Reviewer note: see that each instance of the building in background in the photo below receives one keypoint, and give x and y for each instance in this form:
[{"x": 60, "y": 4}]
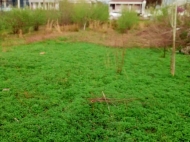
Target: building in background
[
  {"x": 179, "y": 2},
  {"x": 44, "y": 4},
  {"x": 119, "y": 5},
  {"x": 6, "y": 5}
]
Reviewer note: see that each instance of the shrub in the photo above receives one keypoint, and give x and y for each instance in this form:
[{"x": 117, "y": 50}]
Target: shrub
[
  {"x": 38, "y": 18},
  {"x": 100, "y": 12},
  {"x": 84, "y": 12},
  {"x": 52, "y": 14},
  {"x": 66, "y": 10},
  {"x": 127, "y": 20},
  {"x": 3, "y": 25},
  {"x": 81, "y": 13},
  {"x": 17, "y": 19}
]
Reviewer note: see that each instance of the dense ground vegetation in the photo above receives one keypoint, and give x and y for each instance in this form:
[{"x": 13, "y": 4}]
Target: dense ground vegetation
[
  {"x": 49, "y": 92},
  {"x": 63, "y": 90}
]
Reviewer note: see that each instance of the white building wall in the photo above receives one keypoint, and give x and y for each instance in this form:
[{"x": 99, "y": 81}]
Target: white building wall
[{"x": 49, "y": 4}]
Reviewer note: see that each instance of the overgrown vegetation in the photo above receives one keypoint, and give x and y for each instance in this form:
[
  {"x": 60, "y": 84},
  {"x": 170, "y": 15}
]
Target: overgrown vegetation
[
  {"x": 23, "y": 19},
  {"x": 17, "y": 19},
  {"x": 84, "y": 12},
  {"x": 127, "y": 20},
  {"x": 69, "y": 13},
  {"x": 38, "y": 18},
  {"x": 53, "y": 91},
  {"x": 66, "y": 10}
]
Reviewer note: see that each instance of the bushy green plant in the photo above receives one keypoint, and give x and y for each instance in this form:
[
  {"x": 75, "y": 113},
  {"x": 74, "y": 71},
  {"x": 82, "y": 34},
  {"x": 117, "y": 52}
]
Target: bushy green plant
[
  {"x": 127, "y": 20},
  {"x": 38, "y": 18},
  {"x": 23, "y": 19},
  {"x": 3, "y": 24},
  {"x": 66, "y": 10},
  {"x": 82, "y": 13},
  {"x": 100, "y": 12},
  {"x": 17, "y": 19},
  {"x": 53, "y": 14}
]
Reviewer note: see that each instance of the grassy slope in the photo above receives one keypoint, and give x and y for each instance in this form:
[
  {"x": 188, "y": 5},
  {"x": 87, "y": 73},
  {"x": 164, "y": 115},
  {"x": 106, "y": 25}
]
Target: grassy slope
[{"x": 48, "y": 97}]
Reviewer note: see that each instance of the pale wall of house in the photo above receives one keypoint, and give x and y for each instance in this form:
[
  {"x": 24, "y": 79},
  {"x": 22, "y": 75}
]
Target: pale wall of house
[
  {"x": 49, "y": 4},
  {"x": 119, "y": 7}
]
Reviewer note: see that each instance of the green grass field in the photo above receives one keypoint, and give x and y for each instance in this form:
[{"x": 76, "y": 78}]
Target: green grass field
[{"x": 47, "y": 97}]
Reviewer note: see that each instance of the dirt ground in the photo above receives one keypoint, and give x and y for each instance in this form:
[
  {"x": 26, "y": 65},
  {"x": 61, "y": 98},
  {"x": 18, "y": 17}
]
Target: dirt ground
[{"x": 148, "y": 36}]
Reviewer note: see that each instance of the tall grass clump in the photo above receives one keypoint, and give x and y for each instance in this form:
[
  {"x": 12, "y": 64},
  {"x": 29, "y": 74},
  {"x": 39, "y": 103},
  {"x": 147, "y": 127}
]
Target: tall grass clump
[{"x": 127, "y": 20}]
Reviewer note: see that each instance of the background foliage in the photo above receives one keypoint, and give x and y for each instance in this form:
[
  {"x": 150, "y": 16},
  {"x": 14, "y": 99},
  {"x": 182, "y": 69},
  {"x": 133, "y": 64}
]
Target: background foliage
[{"x": 127, "y": 20}]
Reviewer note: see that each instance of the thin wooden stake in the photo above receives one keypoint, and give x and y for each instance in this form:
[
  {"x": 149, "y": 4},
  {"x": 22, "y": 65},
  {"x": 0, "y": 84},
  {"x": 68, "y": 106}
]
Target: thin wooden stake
[{"x": 174, "y": 40}]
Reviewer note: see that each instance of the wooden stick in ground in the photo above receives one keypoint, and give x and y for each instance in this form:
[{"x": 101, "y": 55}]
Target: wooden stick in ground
[
  {"x": 106, "y": 100},
  {"x": 172, "y": 66}
]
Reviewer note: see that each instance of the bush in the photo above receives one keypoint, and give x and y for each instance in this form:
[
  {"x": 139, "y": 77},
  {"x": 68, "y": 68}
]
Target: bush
[
  {"x": 84, "y": 12},
  {"x": 100, "y": 12},
  {"x": 3, "y": 25},
  {"x": 17, "y": 19},
  {"x": 81, "y": 13},
  {"x": 52, "y": 15},
  {"x": 38, "y": 18},
  {"x": 23, "y": 19},
  {"x": 127, "y": 20},
  {"x": 66, "y": 11}
]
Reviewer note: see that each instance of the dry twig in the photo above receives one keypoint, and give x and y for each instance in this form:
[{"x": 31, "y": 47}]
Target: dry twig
[{"x": 106, "y": 100}]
